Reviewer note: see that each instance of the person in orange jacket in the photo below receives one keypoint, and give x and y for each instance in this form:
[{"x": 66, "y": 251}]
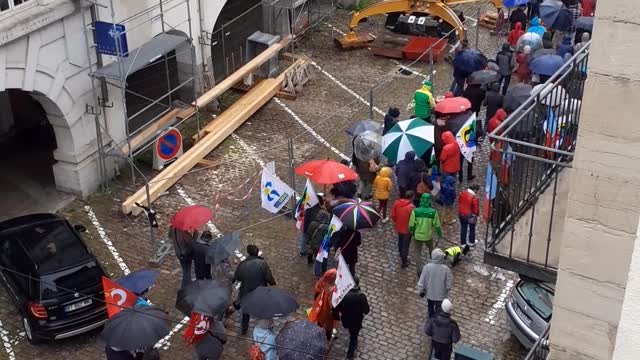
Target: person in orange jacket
[{"x": 450, "y": 155}]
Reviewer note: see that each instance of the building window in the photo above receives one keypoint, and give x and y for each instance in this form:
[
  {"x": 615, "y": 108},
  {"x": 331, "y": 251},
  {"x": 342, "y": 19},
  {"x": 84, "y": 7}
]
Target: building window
[{"x": 6, "y": 5}]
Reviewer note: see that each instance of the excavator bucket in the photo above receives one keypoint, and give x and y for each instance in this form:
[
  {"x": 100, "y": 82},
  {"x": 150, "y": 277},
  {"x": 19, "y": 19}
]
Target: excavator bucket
[{"x": 354, "y": 40}]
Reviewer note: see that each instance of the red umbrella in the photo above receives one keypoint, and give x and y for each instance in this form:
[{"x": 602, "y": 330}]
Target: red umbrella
[
  {"x": 326, "y": 172},
  {"x": 191, "y": 218},
  {"x": 453, "y": 105}
]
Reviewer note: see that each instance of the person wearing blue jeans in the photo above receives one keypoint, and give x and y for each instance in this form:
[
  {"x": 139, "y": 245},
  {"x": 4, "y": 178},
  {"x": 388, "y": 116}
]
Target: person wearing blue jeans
[{"x": 468, "y": 212}]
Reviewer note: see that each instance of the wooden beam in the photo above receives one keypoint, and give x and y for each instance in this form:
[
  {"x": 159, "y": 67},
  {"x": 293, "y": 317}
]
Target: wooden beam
[
  {"x": 150, "y": 131},
  {"x": 220, "y": 129},
  {"x": 207, "y": 129},
  {"x": 241, "y": 73}
]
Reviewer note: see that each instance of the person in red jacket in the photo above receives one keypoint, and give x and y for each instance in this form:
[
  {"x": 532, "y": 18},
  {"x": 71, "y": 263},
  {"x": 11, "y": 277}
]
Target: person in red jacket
[
  {"x": 515, "y": 34},
  {"x": 496, "y": 120},
  {"x": 495, "y": 156},
  {"x": 468, "y": 211},
  {"x": 400, "y": 215},
  {"x": 450, "y": 155}
]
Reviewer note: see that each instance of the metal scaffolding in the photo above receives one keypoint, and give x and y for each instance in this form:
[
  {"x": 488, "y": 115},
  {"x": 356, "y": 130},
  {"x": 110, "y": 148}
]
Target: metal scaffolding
[{"x": 124, "y": 64}]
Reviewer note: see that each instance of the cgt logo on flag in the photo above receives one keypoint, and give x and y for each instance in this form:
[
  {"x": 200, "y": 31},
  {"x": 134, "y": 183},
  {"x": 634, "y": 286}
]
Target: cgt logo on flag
[
  {"x": 117, "y": 297},
  {"x": 197, "y": 328}
]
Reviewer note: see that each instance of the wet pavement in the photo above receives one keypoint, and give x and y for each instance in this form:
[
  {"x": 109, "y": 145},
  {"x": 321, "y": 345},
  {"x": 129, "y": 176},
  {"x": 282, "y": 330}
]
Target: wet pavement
[{"x": 393, "y": 330}]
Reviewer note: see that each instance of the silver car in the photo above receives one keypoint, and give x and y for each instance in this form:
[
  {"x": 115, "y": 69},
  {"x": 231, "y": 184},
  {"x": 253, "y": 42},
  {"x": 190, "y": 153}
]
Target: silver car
[{"x": 529, "y": 310}]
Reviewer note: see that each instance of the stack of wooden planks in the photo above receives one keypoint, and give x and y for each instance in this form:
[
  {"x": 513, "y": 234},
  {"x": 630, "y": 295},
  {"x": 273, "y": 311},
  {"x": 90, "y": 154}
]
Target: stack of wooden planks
[{"x": 212, "y": 135}]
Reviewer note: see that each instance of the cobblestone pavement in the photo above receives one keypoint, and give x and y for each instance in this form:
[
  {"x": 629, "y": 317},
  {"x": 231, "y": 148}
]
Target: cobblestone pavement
[{"x": 393, "y": 330}]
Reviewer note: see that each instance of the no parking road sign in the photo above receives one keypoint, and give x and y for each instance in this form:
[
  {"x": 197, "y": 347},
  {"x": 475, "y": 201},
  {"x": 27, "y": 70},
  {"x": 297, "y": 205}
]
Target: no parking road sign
[{"x": 168, "y": 147}]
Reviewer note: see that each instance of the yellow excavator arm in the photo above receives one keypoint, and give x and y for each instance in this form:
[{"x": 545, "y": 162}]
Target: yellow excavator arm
[{"x": 439, "y": 8}]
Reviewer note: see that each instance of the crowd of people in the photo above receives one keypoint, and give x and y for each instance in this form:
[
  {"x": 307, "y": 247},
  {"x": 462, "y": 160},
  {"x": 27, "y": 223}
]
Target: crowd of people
[{"x": 419, "y": 182}]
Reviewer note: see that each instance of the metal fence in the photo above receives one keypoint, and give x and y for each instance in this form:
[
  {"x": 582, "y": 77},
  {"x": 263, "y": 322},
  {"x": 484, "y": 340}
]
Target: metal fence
[
  {"x": 540, "y": 350},
  {"x": 529, "y": 150}
]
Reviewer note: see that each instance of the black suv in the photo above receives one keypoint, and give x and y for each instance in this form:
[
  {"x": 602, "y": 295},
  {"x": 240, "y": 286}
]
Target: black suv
[{"x": 57, "y": 298}]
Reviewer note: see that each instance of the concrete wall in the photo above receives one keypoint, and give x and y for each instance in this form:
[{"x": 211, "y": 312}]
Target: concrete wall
[
  {"x": 604, "y": 198},
  {"x": 51, "y": 63},
  {"x": 542, "y": 219},
  {"x": 628, "y": 339}
]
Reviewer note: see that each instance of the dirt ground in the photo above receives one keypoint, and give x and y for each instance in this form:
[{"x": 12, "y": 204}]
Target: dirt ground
[{"x": 315, "y": 123}]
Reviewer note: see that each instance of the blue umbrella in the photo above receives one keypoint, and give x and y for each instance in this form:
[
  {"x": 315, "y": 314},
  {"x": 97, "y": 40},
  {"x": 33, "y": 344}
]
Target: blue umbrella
[
  {"x": 585, "y": 23},
  {"x": 546, "y": 64},
  {"x": 140, "y": 281},
  {"x": 514, "y": 3},
  {"x": 301, "y": 340},
  {"x": 555, "y": 15},
  {"x": 469, "y": 60}
]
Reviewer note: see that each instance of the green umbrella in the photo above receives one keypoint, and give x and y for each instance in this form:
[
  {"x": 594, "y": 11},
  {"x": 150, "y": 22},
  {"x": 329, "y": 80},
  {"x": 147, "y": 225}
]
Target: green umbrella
[{"x": 404, "y": 136}]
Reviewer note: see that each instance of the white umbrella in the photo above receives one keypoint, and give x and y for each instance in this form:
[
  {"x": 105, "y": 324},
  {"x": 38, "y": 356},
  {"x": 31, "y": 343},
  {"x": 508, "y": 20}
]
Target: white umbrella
[{"x": 408, "y": 135}]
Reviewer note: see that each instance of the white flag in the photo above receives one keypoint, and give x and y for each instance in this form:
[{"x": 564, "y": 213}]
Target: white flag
[
  {"x": 466, "y": 138},
  {"x": 344, "y": 282},
  {"x": 274, "y": 192}
]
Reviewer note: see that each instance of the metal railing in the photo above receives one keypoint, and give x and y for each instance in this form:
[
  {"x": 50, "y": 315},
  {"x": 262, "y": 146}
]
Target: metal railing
[
  {"x": 529, "y": 149},
  {"x": 540, "y": 350}
]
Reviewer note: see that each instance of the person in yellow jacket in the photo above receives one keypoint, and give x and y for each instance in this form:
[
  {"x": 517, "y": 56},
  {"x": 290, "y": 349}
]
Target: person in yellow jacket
[
  {"x": 424, "y": 101},
  {"x": 382, "y": 187}
]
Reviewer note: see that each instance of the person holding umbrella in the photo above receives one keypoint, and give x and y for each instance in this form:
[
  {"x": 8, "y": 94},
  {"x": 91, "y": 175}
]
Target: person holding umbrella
[
  {"x": 493, "y": 102},
  {"x": 185, "y": 226},
  {"x": 405, "y": 171},
  {"x": 351, "y": 310},
  {"x": 347, "y": 242},
  {"x": 212, "y": 345},
  {"x": 251, "y": 273},
  {"x": 523, "y": 72}
]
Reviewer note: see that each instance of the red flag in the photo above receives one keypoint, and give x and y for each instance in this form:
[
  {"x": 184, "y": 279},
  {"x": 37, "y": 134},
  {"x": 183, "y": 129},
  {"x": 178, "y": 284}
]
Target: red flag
[
  {"x": 197, "y": 328},
  {"x": 117, "y": 297}
]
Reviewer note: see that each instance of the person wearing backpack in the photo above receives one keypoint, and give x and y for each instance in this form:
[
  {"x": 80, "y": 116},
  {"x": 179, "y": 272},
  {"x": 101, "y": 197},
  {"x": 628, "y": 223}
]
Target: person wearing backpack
[
  {"x": 183, "y": 245},
  {"x": 265, "y": 346},
  {"x": 422, "y": 180}
]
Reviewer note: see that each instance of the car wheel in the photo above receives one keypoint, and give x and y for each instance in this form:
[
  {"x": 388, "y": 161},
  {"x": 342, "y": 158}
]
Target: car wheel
[{"x": 28, "y": 331}]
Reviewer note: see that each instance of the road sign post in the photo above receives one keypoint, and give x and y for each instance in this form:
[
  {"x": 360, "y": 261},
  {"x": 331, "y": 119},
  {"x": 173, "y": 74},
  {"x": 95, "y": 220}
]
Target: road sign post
[{"x": 168, "y": 148}]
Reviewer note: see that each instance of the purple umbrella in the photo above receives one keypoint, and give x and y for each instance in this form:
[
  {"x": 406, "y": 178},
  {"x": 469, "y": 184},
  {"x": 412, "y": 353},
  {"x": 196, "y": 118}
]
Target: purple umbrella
[{"x": 357, "y": 214}]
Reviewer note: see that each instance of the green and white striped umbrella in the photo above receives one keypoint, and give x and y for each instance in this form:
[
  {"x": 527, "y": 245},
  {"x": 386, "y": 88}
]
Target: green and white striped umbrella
[{"x": 404, "y": 136}]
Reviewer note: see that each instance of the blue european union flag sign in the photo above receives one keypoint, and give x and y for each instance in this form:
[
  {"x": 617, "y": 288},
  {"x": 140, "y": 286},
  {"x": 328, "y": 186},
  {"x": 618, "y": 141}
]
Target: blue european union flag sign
[{"x": 106, "y": 35}]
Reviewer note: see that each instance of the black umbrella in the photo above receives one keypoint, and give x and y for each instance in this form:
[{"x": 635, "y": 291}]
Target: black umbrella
[
  {"x": 516, "y": 96},
  {"x": 361, "y": 126},
  {"x": 585, "y": 23},
  {"x": 268, "y": 302},
  {"x": 483, "y": 77},
  {"x": 456, "y": 121},
  {"x": 138, "y": 328},
  {"x": 211, "y": 346},
  {"x": 208, "y": 297},
  {"x": 223, "y": 247},
  {"x": 301, "y": 340},
  {"x": 555, "y": 15}
]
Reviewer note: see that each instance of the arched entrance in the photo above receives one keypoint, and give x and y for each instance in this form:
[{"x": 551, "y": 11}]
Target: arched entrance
[{"x": 27, "y": 143}]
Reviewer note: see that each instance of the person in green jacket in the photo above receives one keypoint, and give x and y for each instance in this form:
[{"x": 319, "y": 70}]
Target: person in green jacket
[
  {"x": 422, "y": 223},
  {"x": 424, "y": 102}
]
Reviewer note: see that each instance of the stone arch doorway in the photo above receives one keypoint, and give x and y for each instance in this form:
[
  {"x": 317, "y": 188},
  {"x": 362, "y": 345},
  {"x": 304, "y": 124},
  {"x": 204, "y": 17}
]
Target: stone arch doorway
[{"x": 27, "y": 145}]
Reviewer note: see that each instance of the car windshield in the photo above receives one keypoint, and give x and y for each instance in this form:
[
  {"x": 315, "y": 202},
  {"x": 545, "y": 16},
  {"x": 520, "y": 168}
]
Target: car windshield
[
  {"x": 52, "y": 245},
  {"x": 539, "y": 298},
  {"x": 78, "y": 279}
]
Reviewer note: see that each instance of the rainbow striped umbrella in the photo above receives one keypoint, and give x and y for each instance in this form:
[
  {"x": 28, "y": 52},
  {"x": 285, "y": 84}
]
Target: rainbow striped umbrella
[{"x": 357, "y": 214}]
